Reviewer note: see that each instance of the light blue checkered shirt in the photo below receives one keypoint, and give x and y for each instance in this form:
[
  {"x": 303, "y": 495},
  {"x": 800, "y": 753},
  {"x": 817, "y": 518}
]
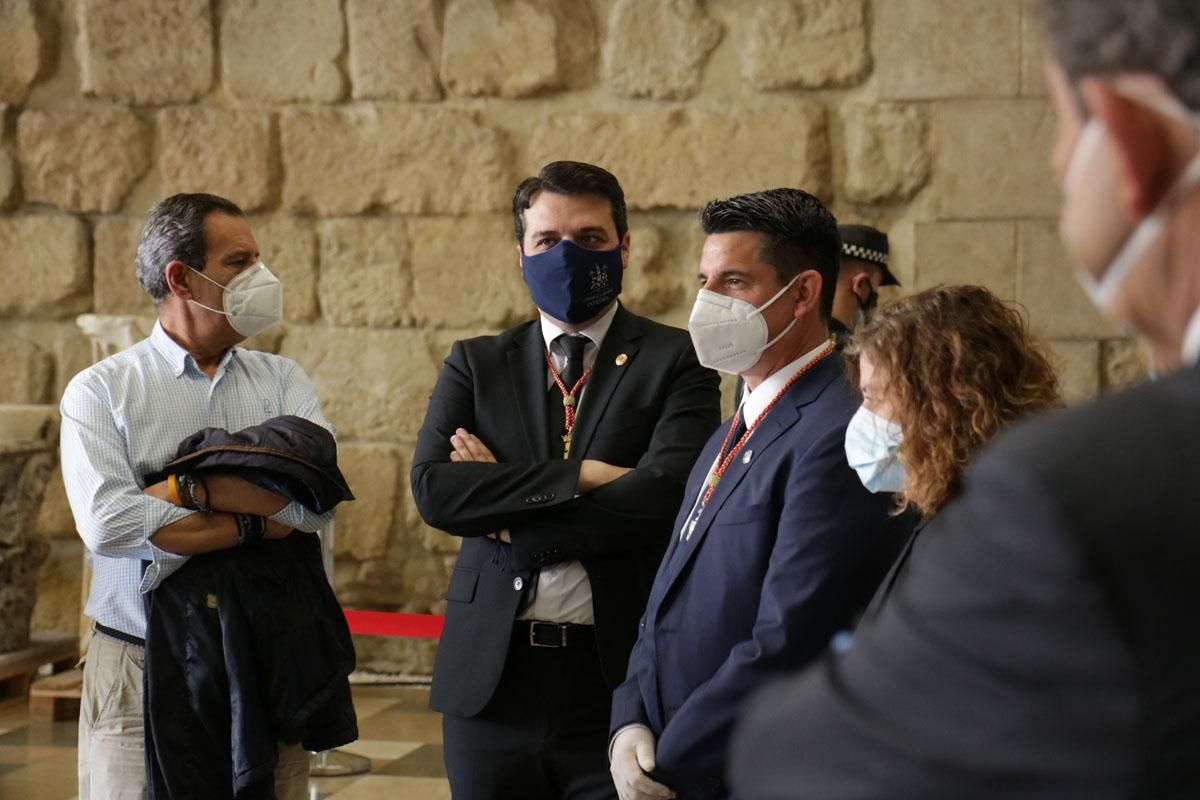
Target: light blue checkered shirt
[{"x": 123, "y": 418}]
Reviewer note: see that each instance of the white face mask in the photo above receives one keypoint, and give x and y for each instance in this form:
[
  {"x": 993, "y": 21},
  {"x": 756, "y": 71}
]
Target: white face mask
[
  {"x": 872, "y": 444},
  {"x": 1103, "y": 291},
  {"x": 253, "y": 300},
  {"x": 729, "y": 334}
]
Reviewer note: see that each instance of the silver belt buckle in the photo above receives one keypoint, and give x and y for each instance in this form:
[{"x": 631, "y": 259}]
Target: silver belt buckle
[{"x": 562, "y": 630}]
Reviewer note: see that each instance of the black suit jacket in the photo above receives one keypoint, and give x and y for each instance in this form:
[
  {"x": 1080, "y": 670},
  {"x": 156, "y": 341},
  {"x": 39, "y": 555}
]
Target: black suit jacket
[
  {"x": 1043, "y": 643},
  {"x": 651, "y": 412}
]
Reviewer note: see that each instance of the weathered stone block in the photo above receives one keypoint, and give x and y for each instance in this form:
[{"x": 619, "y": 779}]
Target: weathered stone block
[
  {"x": 805, "y": 44},
  {"x": 652, "y": 283},
  {"x": 657, "y": 48},
  {"x": 223, "y": 151},
  {"x": 45, "y": 266},
  {"x": 364, "y": 272},
  {"x": 145, "y": 52},
  {"x": 1033, "y": 50},
  {"x": 22, "y": 55},
  {"x": 289, "y": 247},
  {"x": 946, "y": 48},
  {"x": 1123, "y": 362},
  {"x": 977, "y": 253},
  {"x": 364, "y": 526},
  {"x": 58, "y": 589},
  {"x": 115, "y": 282},
  {"x": 991, "y": 159},
  {"x": 466, "y": 270},
  {"x": 1078, "y": 366},
  {"x": 280, "y": 51},
  {"x": 29, "y": 373},
  {"x": 54, "y": 519},
  {"x": 1046, "y": 285},
  {"x": 82, "y": 160},
  {"x": 373, "y": 384},
  {"x": 683, "y": 159},
  {"x": 8, "y": 177},
  {"x": 395, "y": 46},
  {"x": 887, "y": 158},
  {"x": 516, "y": 48},
  {"x": 410, "y": 161}
]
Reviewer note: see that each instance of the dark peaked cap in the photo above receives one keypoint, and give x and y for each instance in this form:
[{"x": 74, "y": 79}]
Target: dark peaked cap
[{"x": 868, "y": 244}]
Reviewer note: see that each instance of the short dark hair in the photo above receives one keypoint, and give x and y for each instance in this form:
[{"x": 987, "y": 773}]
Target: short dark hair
[
  {"x": 1104, "y": 37},
  {"x": 570, "y": 178},
  {"x": 800, "y": 233},
  {"x": 174, "y": 231}
]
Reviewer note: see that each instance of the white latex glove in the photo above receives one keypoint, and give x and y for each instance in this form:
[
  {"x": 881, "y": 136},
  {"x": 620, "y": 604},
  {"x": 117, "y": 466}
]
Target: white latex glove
[{"x": 632, "y": 758}]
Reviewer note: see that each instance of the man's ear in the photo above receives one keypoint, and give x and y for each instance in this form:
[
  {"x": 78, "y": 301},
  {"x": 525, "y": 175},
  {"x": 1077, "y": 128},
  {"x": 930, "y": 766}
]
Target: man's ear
[
  {"x": 809, "y": 284},
  {"x": 860, "y": 284},
  {"x": 1142, "y": 143},
  {"x": 625, "y": 251},
  {"x": 177, "y": 275}
]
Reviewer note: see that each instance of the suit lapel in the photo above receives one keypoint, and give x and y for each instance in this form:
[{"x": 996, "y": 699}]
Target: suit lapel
[
  {"x": 606, "y": 375},
  {"x": 786, "y": 413},
  {"x": 527, "y": 373}
]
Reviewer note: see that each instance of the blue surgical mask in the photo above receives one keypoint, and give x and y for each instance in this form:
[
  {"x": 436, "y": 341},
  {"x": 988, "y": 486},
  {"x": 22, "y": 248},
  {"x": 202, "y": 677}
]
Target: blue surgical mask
[
  {"x": 872, "y": 447},
  {"x": 571, "y": 283}
]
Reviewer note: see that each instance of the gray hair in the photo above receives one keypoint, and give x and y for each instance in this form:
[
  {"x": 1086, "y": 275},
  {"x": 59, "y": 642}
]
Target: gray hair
[
  {"x": 174, "y": 231},
  {"x": 1105, "y": 37}
]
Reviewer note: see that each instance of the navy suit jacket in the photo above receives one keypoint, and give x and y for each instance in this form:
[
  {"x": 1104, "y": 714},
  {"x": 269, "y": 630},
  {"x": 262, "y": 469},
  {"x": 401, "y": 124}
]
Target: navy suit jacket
[{"x": 789, "y": 547}]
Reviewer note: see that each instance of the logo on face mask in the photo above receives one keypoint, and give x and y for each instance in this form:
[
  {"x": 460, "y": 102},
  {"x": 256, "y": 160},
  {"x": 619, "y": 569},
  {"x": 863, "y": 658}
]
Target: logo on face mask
[{"x": 599, "y": 277}]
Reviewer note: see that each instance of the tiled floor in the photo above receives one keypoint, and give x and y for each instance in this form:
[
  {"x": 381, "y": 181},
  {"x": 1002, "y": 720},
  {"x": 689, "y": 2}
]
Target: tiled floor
[{"x": 399, "y": 734}]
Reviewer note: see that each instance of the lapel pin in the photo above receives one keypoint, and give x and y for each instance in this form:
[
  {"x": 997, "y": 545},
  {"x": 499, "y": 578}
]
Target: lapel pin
[
  {"x": 746, "y": 456},
  {"x": 621, "y": 359}
]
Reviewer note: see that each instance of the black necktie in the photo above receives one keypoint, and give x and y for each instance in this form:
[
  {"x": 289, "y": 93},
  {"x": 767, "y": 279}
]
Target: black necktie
[{"x": 573, "y": 346}]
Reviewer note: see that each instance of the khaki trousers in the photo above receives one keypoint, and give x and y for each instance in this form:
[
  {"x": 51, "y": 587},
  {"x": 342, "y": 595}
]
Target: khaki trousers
[{"x": 112, "y": 735}]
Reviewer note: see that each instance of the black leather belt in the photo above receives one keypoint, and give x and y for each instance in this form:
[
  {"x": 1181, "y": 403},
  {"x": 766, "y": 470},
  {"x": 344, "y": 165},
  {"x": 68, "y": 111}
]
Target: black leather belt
[
  {"x": 553, "y": 634},
  {"x": 120, "y": 636}
]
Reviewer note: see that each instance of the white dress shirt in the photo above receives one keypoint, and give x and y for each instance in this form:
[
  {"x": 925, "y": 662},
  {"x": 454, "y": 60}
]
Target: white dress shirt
[
  {"x": 123, "y": 418},
  {"x": 564, "y": 593}
]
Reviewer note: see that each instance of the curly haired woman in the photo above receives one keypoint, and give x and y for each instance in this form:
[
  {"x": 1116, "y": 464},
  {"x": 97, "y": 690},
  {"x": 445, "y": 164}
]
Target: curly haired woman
[{"x": 941, "y": 372}]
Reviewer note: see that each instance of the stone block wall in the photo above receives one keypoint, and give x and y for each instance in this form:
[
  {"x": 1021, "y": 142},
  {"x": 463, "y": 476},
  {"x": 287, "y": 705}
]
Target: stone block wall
[{"x": 375, "y": 145}]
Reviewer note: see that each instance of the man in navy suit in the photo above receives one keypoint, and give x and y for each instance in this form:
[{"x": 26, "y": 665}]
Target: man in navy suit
[{"x": 777, "y": 544}]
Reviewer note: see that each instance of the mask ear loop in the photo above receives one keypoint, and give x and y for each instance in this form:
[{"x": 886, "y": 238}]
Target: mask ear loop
[{"x": 210, "y": 280}]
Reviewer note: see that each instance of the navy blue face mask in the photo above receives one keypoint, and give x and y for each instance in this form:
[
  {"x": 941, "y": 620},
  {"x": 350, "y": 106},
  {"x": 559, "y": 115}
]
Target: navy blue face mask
[{"x": 572, "y": 283}]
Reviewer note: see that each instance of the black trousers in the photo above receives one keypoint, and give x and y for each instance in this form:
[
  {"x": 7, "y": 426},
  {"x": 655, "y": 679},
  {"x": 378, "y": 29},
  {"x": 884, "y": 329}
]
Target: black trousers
[{"x": 542, "y": 736}]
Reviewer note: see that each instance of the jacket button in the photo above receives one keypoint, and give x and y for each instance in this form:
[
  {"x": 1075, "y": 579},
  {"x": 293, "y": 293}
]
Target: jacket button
[{"x": 518, "y": 583}]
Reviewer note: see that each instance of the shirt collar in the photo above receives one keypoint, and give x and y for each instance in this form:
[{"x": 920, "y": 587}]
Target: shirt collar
[
  {"x": 552, "y": 329},
  {"x": 1191, "y": 341},
  {"x": 754, "y": 402},
  {"x": 174, "y": 353}
]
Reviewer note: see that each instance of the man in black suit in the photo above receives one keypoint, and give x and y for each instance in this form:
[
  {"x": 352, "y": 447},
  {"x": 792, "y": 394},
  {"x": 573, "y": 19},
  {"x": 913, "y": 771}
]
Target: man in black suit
[
  {"x": 557, "y": 450},
  {"x": 1042, "y": 644}
]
